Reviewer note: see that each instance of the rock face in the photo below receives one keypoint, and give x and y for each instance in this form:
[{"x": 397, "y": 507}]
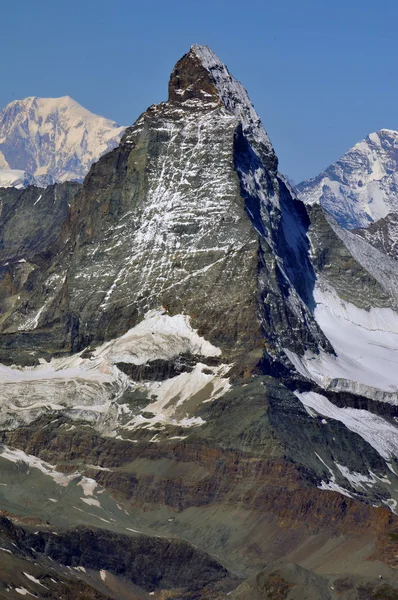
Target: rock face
[
  {"x": 362, "y": 186},
  {"x": 383, "y": 234},
  {"x": 51, "y": 140},
  {"x": 192, "y": 354},
  {"x": 31, "y": 220}
]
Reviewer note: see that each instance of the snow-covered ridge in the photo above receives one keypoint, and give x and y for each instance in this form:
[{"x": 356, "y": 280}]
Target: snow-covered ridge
[
  {"x": 362, "y": 186},
  {"x": 15, "y": 178},
  {"x": 376, "y": 431},
  {"x": 56, "y": 138},
  {"x": 233, "y": 95}
]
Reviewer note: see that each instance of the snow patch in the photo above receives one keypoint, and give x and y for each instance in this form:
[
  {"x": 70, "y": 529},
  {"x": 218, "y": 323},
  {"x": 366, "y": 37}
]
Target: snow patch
[
  {"x": 88, "y": 388},
  {"x": 23, "y": 591},
  {"x": 366, "y": 346},
  {"x": 380, "y": 434},
  {"x": 31, "y": 578},
  {"x": 18, "y": 456}
]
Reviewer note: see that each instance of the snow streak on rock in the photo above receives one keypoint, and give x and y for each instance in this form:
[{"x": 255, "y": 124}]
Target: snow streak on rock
[{"x": 90, "y": 388}]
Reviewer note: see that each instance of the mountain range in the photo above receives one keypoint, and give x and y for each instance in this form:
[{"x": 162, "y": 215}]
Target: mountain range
[
  {"x": 362, "y": 186},
  {"x": 49, "y": 140},
  {"x": 198, "y": 370}
]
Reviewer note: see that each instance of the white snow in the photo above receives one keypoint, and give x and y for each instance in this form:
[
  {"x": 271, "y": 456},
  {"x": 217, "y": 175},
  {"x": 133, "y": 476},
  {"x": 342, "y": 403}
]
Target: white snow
[
  {"x": 23, "y": 591},
  {"x": 62, "y": 139},
  {"x": 365, "y": 342},
  {"x": 15, "y": 178},
  {"x": 392, "y": 505},
  {"x": 18, "y": 456},
  {"x": 233, "y": 95},
  {"x": 332, "y": 485},
  {"x": 360, "y": 480},
  {"x": 88, "y": 485},
  {"x": 91, "y": 502},
  {"x": 379, "y": 433},
  {"x": 88, "y": 388},
  {"x": 361, "y": 186},
  {"x": 159, "y": 335},
  {"x": 173, "y": 393},
  {"x": 31, "y": 578}
]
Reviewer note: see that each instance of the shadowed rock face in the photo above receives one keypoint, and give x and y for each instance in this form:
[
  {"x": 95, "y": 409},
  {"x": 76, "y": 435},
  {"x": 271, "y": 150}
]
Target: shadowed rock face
[
  {"x": 150, "y": 563},
  {"x": 31, "y": 219},
  {"x": 176, "y": 311}
]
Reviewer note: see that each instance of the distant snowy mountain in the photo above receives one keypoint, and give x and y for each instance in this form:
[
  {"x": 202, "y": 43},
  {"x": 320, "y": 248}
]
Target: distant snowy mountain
[
  {"x": 362, "y": 186},
  {"x": 52, "y": 140},
  {"x": 15, "y": 178}
]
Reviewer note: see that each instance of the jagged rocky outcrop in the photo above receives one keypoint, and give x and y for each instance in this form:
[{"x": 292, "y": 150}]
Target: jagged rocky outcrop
[
  {"x": 383, "y": 234},
  {"x": 197, "y": 355},
  {"x": 48, "y": 140},
  {"x": 362, "y": 186}
]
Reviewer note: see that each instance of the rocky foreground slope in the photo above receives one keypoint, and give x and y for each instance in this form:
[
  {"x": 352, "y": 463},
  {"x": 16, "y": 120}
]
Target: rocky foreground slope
[
  {"x": 49, "y": 140},
  {"x": 198, "y": 382}
]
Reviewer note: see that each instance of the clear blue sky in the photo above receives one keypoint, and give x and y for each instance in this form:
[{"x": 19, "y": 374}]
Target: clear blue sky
[{"x": 321, "y": 73}]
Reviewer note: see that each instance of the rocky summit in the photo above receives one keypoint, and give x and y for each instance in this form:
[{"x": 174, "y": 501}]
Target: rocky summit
[{"x": 198, "y": 373}]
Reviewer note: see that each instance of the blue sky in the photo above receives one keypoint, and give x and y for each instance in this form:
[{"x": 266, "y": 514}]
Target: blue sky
[{"x": 321, "y": 74}]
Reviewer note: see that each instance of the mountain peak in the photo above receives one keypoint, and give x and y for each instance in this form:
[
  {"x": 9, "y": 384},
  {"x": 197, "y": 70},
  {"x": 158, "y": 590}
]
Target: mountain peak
[
  {"x": 53, "y": 139},
  {"x": 392, "y": 132},
  {"x": 361, "y": 187},
  {"x": 200, "y": 76},
  {"x": 191, "y": 80}
]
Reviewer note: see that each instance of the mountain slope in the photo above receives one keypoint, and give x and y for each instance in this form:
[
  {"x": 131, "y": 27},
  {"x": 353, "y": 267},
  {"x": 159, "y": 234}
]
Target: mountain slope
[
  {"x": 53, "y": 139},
  {"x": 383, "y": 234},
  {"x": 175, "y": 367},
  {"x": 362, "y": 186}
]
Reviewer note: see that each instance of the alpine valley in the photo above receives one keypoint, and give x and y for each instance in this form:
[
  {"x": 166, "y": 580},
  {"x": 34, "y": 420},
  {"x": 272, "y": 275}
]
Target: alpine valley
[{"x": 199, "y": 390}]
